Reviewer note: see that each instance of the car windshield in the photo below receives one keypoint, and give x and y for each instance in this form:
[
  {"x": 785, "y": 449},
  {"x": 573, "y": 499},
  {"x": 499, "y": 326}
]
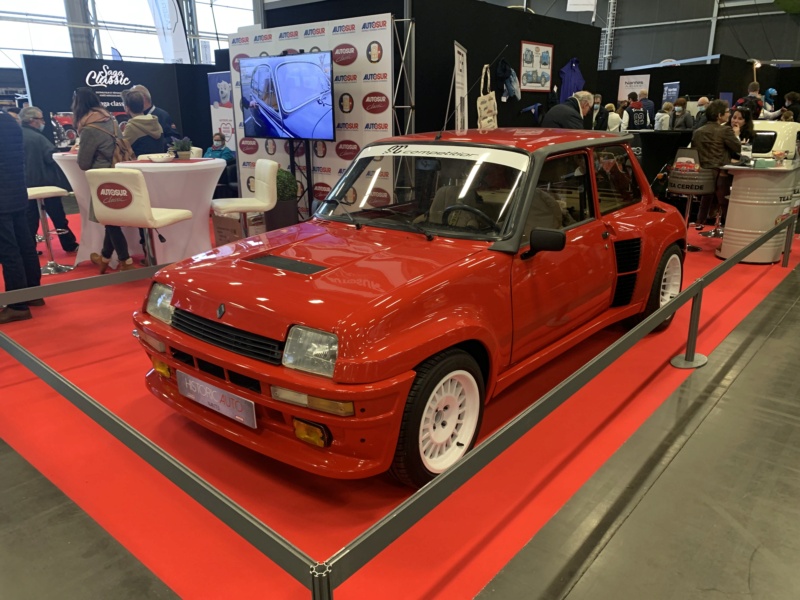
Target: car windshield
[
  {"x": 448, "y": 190},
  {"x": 301, "y": 82}
]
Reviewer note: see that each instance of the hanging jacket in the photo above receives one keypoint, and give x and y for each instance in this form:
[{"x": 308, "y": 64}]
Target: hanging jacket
[{"x": 571, "y": 79}]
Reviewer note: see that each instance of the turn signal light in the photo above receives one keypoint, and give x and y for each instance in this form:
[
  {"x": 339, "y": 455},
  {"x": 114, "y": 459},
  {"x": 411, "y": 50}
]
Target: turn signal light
[
  {"x": 162, "y": 368},
  {"x": 311, "y": 433}
]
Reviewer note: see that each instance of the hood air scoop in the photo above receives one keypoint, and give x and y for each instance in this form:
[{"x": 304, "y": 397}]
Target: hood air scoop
[{"x": 287, "y": 264}]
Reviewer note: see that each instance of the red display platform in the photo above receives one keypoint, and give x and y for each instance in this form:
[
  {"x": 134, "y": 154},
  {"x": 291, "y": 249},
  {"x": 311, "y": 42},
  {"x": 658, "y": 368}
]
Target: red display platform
[{"x": 452, "y": 553}]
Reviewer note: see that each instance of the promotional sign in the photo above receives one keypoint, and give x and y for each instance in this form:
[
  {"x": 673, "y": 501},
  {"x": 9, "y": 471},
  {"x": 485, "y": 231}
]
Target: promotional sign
[
  {"x": 671, "y": 91},
  {"x": 361, "y": 61},
  {"x": 51, "y": 82},
  {"x": 460, "y": 86},
  {"x": 221, "y": 97},
  {"x": 171, "y": 32},
  {"x": 535, "y": 67},
  {"x": 632, "y": 83}
]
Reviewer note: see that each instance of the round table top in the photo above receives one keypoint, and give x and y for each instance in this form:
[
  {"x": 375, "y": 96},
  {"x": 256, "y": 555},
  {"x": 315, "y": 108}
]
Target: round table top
[{"x": 175, "y": 165}]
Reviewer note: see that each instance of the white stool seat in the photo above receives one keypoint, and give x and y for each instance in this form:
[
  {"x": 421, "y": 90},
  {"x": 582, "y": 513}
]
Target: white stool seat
[
  {"x": 225, "y": 206},
  {"x": 265, "y": 194},
  {"x": 46, "y": 191},
  {"x": 168, "y": 216}
]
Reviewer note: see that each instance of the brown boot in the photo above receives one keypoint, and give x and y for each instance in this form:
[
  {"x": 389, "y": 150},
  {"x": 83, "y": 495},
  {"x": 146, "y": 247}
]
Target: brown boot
[
  {"x": 100, "y": 261},
  {"x": 127, "y": 265},
  {"x": 8, "y": 314}
]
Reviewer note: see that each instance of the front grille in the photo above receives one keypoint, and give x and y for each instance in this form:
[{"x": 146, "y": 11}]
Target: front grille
[{"x": 227, "y": 337}]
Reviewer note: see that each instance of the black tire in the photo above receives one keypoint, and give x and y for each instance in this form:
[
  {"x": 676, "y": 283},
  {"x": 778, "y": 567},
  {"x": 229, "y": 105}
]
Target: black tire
[
  {"x": 655, "y": 300},
  {"x": 451, "y": 371}
]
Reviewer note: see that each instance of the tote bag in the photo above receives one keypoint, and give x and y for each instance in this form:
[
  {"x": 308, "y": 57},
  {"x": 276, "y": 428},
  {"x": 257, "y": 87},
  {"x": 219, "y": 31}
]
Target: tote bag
[{"x": 487, "y": 103}]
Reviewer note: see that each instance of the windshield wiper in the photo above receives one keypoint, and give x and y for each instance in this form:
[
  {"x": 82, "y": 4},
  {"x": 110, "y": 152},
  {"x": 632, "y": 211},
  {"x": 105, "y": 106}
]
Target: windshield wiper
[
  {"x": 408, "y": 222},
  {"x": 345, "y": 211}
]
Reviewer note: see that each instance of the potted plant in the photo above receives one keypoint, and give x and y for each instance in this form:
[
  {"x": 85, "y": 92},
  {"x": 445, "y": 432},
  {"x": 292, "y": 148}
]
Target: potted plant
[
  {"x": 181, "y": 148},
  {"x": 286, "y": 186}
]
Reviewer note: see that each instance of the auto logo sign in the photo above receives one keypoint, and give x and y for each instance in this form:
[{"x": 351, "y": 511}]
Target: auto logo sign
[
  {"x": 321, "y": 191},
  {"x": 236, "y": 60},
  {"x": 375, "y": 102},
  {"x": 248, "y": 145},
  {"x": 345, "y": 54},
  {"x": 379, "y": 197},
  {"x": 114, "y": 195},
  {"x": 220, "y": 311},
  {"x": 347, "y": 149}
]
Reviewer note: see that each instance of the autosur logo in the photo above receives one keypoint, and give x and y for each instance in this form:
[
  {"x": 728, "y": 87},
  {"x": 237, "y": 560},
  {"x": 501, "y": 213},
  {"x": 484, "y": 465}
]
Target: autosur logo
[
  {"x": 345, "y": 54},
  {"x": 340, "y": 29},
  {"x": 347, "y": 149},
  {"x": 248, "y": 145},
  {"x": 236, "y": 60},
  {"x": 105, "y": 77},
  {"x": 375, "y": 102},
  {"x": 114, "y": 195},
  {"x": 321, "y": 191},
  {"x": 379, "y": 197}
]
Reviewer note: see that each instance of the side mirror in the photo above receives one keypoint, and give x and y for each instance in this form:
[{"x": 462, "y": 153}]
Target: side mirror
[{"x": 542, "y": 239}]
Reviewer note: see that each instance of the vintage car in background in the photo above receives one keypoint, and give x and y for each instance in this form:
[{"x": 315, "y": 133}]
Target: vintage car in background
[{"x": 436, "y": 273}]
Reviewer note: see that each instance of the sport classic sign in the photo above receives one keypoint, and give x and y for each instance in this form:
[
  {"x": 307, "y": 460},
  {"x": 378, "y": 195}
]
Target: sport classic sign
[{"x": 361, "y": 49}]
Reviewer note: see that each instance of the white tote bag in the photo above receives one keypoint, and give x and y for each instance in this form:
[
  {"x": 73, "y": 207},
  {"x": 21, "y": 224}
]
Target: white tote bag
[{"x": 487, "y": 103}]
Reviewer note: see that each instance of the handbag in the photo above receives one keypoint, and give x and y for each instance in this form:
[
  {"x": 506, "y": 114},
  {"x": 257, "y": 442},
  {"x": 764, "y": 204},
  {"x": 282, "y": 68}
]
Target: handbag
[{"x": 487, "y": 103}]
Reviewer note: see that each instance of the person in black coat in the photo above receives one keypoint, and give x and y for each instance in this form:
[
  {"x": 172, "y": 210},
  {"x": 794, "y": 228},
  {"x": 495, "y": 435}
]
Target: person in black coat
[
  {"x": 598, "y": 115},
  {"x": 569, "y": 114},
  {"x": 164, "y": 119},
  {"x": 41, "y": 170},
  {"x": 17, "y": 248}
]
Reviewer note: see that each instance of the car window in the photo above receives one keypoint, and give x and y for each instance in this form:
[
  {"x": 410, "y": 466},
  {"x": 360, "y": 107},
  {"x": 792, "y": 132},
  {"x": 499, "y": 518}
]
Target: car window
[
  {"x": 616, "y": 180},
  {"x": 267, "y": 88},
  {"x": 562, "y": 195}
]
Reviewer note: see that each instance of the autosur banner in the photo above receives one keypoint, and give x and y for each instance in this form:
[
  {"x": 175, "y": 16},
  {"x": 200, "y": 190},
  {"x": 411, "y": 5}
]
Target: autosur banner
[{"x": 362, "y": 90}]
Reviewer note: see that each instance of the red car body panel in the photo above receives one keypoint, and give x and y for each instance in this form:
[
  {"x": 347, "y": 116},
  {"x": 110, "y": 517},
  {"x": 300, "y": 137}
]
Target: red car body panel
[{"x": 394, "y": 299}]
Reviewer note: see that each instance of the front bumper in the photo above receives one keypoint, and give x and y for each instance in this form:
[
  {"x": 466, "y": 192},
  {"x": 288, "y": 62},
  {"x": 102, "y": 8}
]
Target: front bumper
[{"x": 360, "y": 446}]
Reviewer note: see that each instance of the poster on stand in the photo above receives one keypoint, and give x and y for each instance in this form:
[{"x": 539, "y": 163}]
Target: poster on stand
[
  {"x": 460, "y": 88},
  {"x": 671, "y": 91},
  {"x": 536, "y": 67},
  {"x": 362, "y": 73},
  {"x": 221, "y": 105},
  {"x": 632, "y": 83}
]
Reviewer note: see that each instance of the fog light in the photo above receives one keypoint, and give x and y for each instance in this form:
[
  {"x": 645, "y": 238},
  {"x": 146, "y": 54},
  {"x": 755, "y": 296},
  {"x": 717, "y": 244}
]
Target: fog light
[
  {"x": 311, "y": 433},
  {"x": 162, "y": 368}
]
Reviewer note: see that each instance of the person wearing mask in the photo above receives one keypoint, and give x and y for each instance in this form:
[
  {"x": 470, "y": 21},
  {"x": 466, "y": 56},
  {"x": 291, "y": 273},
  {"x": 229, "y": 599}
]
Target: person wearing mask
[
  {"x": 17, "y": 248},
  {"x": 98, "y": 131},
  {"x": 681, "y": 119},
  {"x": 663, "y": 117},
  {"x": 792, "y": 103},
  {"x": 635, "y": 116},
  {"x": 599, "y": 114},
  {"x": 570, "y": 113},
  {"x": 167, "y": 126},
  {"x": 614, "y": 119},
  {"x": 716, "y": 145},
  {"x": 649, "y": 106},
  {"x": 142, "y": 131},
  {"x": 742, "y": 124},
  {"x": 218, "y": 149},
  {"x": 41, "y": 170},
  {"x": 700, "y": 117}
]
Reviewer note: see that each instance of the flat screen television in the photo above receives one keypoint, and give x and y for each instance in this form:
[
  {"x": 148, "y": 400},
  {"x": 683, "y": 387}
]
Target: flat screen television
[{"x": 288, "y": 97}]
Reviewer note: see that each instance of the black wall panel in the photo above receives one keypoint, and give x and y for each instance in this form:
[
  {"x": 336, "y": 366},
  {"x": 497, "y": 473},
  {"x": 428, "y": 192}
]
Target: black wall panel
[{"x": 329, "y": 10}]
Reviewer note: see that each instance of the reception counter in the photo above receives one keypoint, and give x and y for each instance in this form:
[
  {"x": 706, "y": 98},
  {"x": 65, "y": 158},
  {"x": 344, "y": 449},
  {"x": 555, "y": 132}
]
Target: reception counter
[{"x": 759, "y": 200}]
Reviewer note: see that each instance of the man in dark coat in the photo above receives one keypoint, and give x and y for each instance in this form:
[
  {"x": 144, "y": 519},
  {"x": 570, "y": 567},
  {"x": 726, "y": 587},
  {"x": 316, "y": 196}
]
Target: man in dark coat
[
  {"x": 649, "y": 107},
  {"x": 167, "y": 126},
  {"x": 17, "y": 248},
  {"x": 598, "y": 116},
  {"x": 569, "y": 114},
  {"x": 41, "y": 170}
]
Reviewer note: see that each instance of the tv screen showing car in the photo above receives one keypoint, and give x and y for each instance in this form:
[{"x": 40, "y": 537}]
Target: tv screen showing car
[{"x": 288, "y": 97}]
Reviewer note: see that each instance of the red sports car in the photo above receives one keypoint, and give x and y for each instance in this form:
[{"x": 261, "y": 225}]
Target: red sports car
[{"x": 437, "y": 272}]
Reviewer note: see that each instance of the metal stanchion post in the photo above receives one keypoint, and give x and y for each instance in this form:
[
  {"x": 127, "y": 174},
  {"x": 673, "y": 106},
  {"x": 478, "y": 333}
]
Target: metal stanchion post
[{"x": 691, "y": 360}]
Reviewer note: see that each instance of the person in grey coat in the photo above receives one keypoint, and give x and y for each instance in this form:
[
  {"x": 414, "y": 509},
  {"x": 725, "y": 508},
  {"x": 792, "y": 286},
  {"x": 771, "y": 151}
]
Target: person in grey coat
[{"x": 569, "y": 114}]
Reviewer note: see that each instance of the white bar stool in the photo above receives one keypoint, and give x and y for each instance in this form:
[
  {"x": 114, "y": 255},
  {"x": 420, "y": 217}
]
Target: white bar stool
[{"x": 39, "y": 194}]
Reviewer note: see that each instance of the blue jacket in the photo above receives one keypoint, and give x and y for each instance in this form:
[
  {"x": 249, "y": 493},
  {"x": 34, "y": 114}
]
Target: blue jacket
[
  {"x": 13, "y": 191},
  {"x": 224, "y": 153},
  {"x": 571, "y": 79}
]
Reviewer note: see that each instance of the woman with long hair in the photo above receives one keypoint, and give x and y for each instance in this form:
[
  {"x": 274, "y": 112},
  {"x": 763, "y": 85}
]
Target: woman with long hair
[
  {"x": 742, "y": 123},
  {"x": 98, "y": 131}
]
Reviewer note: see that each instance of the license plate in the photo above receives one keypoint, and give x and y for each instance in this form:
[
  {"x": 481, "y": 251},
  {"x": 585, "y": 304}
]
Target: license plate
[{"x": 233, "y": 406}]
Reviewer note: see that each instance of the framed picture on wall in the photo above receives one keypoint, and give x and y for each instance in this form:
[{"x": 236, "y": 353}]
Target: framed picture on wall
[{"x": 535, "y": 67}]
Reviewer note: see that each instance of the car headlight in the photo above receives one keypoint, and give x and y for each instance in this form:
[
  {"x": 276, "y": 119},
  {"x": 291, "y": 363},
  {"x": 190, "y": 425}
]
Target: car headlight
[
  {"x": 159, "y": 303},
  {"x": 311, "y": 350}
]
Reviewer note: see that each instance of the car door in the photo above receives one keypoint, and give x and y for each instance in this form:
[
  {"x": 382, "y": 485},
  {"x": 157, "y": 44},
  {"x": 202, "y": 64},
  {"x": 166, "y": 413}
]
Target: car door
[{"x": 555, "y": 292}]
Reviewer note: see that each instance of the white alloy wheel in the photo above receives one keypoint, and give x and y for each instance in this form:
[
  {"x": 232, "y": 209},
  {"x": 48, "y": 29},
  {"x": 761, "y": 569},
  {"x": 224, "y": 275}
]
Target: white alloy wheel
[
  {"x": 449, "y": 421},
  {"x": 671, "y": 280}
]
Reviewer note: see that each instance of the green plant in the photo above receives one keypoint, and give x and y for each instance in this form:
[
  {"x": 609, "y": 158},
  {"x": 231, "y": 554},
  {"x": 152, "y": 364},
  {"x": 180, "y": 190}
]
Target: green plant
[
  {"x": 181, "y": 145},
  {"x": 287, "y": 186}
]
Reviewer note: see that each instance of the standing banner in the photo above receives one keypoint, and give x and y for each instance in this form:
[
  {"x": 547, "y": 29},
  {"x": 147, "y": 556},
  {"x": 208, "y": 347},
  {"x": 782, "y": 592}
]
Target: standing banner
[
  {"x": 362, "y": 49},
  {"x": 171, "y": 33},
  {"x": 221, "y": 98},
  {"x": 671, "y": 91},
  {"x": 632, "y": 83},
  {"x": 581, "y": 5},
  {"x": 460, "y": 87}
]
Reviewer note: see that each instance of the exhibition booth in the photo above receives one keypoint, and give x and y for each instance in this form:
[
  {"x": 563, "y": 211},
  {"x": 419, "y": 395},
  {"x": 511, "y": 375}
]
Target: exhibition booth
[{"x": 215, "y": 519}]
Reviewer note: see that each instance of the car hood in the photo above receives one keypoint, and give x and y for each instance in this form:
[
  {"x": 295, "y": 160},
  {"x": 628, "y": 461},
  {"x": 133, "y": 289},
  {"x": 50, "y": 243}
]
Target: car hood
[{"x": 321, "y": 274}]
